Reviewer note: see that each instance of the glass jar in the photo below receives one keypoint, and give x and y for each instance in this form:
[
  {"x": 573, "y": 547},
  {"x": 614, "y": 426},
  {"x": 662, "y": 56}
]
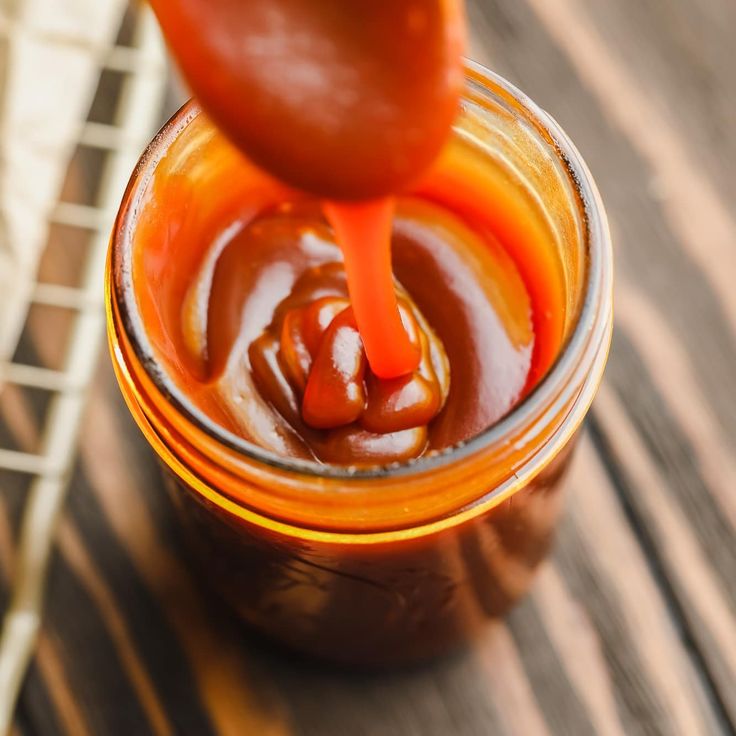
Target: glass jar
[{"x": 393, "y": 564}]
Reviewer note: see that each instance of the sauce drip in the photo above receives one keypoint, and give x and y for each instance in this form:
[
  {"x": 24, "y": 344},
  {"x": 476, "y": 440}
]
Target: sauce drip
[
  {"x": 345, "y": 298},
  {"x": 347, "y": 100},
  {"x": 364, "y": 233},
  {"x": 238, "y": 279},
  {"x": 310, "y": 364},
  {"x": 283, "y": 365}
]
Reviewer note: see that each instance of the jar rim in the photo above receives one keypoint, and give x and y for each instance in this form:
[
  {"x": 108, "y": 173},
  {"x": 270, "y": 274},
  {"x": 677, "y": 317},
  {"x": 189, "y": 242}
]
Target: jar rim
[{"x": 598, "y": 280}]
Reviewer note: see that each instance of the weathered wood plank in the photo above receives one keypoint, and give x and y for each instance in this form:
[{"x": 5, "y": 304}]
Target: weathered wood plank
[
  {"x": 659, "y": 689},
  {"x": 47, "y": 703},
  {"x": 667, "y": 445},
  {"x": 682, "y": 54},
  {"x": 580, "y": 649},
  {"x": 697, "y": 588},
  {"x": 81, "y": 563}
]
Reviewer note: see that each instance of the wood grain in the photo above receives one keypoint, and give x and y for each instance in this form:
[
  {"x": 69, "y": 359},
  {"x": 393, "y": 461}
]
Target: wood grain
[{"x": 631, "y": 625}]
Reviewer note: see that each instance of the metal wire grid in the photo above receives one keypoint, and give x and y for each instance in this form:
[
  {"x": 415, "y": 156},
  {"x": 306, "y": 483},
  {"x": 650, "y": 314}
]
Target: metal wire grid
[{"x": 144, "y": 67}]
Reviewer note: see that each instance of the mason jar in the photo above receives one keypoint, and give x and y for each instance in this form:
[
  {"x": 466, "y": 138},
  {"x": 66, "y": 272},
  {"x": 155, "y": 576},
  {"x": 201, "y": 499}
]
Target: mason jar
[{"x": 388, "y": 564}]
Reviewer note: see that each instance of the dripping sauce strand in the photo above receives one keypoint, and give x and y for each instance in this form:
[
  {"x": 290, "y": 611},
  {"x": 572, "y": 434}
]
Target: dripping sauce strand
[
  {"x": 404, "y": 59},
  {"x": 363, "y": 233},
  {"x": 406, "y": 62}
]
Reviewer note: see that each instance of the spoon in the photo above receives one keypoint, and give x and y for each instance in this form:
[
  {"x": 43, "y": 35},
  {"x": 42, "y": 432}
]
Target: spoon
[{"x": 346, "y": 99}]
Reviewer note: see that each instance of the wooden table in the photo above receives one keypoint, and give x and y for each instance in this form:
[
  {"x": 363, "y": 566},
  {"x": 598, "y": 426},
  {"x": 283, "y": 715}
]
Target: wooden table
[{"x": 630, "y": 626}]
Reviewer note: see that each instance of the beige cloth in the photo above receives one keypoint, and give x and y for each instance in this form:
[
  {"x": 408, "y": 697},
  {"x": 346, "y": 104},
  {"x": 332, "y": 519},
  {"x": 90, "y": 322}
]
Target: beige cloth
[{"x": 50, "y": 52}]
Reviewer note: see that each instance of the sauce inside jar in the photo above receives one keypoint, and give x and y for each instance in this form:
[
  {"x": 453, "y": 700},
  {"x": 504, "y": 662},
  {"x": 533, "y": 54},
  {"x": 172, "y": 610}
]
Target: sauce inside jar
[
  {"x": 242, "y": 285},
  {"x": 356, "y": 307}
]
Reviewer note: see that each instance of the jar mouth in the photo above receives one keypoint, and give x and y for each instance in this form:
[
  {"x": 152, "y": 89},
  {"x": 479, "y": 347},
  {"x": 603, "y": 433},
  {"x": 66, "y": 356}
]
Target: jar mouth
[{"x": 586, "y": 328}]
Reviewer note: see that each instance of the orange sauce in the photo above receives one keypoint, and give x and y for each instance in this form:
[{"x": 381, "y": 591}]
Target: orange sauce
[
  {"x": 242, "y": 287},
  {"x": 351, "y": 102}
]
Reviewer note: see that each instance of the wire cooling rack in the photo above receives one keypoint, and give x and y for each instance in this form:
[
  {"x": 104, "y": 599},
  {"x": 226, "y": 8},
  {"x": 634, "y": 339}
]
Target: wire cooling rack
[{"x": 142, "y": 68}]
